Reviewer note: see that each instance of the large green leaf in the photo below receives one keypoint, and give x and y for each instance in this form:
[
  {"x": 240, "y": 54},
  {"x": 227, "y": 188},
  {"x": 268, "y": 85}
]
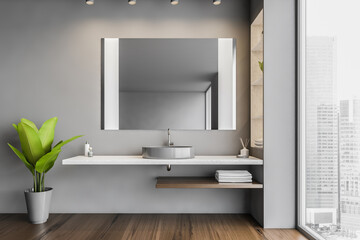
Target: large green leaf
[
  {"x": 30, "y": 123},
  {"x": 30, "y": 143},
  {"x": 15, "y": 126},
  {"x": 47, "y": 132},
  {"x": 60, "y": 144},
  {"x": 46, "y": 162},
  {"x": 22, "y": 158}
]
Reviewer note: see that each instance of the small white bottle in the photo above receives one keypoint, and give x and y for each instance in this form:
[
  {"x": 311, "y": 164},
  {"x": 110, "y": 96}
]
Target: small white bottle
[
  {"x": 90, "y": 153},
  {"x": 87, "y": 146}
]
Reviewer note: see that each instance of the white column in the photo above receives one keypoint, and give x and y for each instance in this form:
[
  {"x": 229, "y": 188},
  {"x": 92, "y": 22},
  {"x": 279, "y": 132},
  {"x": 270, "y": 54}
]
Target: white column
[
  {"x": 111, "y": 83},
  {"x": 227, "y": 83},
  {"x": 208, "y": 109}
]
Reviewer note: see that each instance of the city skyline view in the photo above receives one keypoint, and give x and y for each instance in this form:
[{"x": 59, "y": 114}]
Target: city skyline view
[
  {"x": 332, "y": 146},
  {"x": 332, "y": 119}
]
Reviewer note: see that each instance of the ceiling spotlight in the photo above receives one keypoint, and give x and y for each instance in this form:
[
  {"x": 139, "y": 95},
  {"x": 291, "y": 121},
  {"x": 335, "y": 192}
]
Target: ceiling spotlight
[
  {"x": 216, "y": 2},
  {"x": 90, "y": 2},
  {"x": 132, "y": 2},
  {"x": 174, "y": 2}
]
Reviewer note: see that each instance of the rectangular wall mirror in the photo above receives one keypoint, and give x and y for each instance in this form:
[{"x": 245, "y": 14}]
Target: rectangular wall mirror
[{"x": 184, "y": 84}]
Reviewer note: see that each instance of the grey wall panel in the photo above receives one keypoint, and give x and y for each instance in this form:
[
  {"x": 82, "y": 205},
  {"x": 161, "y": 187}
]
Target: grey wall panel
[
  {"x": 50, "y": 65},
  {"x": 162, "y": 110},
  {"x": 279, "y": 113}
]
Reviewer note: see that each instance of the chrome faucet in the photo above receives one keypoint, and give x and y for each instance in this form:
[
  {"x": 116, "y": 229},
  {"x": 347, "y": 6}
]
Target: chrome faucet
[{"x": 169, "y": 139}]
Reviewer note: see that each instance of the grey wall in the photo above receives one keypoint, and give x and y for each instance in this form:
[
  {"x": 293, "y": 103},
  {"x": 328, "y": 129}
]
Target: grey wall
[
  {"x": 279, "y": 113},
  {"x": 162, "y": 110},
  {"x": 275, "y": 206},
  {"x": 50, "y": 60}
]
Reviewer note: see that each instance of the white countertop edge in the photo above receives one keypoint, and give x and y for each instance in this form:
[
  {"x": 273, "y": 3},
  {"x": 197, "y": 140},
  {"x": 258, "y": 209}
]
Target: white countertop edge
[{"x": 138, "y": 160}]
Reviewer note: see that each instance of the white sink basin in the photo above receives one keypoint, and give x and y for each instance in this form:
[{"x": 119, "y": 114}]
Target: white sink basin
[{"x": 171, "y": 152}]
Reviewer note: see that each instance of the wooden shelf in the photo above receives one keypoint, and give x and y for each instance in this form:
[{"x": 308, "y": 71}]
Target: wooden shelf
[
  {"x": 258, "y": 82},
  {"x": 201, "y": 182},
  {"x": 258, "y": 47},
  {"x": 257, "y": 118}
]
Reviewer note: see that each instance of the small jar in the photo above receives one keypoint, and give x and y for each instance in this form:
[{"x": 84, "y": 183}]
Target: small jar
[
  {"x": 244, "y": 152},
  {"x": 90, "y": 153}
]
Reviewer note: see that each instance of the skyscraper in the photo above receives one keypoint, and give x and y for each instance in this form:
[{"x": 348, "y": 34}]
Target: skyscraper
[
  {"x": 350, "y": 165},
  {"x": 321, "y": 124}
]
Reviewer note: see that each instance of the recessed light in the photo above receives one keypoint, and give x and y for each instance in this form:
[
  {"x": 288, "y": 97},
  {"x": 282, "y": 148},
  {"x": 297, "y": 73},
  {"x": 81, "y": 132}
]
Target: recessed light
[
  {"x": 132, "y": 2},
  {"x": 90, "y": 2},
  {"x": 174, "y": 2},
  {"x": 216, "y": 2}
]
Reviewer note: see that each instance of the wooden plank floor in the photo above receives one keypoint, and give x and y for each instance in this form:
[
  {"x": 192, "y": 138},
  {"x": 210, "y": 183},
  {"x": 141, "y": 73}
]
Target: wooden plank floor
[{"x": 141, "y": 226}]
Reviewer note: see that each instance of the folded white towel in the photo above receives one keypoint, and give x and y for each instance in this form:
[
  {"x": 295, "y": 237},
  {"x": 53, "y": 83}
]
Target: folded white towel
[
  {"x": 233, "y": 176},
  {"x": 233, "y": 172},
  {"x": 234, "y": 180},
  {"x": 225, "y": 177}
]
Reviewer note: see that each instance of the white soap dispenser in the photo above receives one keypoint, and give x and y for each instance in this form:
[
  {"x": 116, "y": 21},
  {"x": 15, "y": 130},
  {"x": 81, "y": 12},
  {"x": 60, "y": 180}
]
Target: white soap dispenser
[
  {"x": 87, "y": 147},
  {"x": 90, "y": 153}
]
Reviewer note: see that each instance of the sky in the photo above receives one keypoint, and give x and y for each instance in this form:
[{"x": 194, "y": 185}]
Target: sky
[{"x": 339, "y": 19}]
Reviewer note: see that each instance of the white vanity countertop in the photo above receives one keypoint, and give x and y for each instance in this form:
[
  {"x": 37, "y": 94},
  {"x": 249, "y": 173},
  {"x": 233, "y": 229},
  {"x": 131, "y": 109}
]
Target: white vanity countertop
[{"x": 138, "y": 160}]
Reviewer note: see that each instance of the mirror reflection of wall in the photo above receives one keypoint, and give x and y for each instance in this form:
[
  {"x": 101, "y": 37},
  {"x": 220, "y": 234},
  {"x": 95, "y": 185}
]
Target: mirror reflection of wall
[{"x": 187, "y": 84}]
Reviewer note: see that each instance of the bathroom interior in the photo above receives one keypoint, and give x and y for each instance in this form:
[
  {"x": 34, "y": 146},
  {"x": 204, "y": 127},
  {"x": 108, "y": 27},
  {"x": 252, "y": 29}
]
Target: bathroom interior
[{"x": 134, "y": 79}]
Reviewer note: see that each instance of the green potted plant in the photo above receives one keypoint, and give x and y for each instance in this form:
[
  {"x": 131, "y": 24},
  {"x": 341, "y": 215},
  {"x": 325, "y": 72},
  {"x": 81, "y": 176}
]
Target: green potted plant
[{"x": 39, "y": 157}]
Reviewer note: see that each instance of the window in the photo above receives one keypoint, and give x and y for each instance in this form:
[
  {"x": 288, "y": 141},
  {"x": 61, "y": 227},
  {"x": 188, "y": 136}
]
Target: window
[{"x": 329, "y": 118}]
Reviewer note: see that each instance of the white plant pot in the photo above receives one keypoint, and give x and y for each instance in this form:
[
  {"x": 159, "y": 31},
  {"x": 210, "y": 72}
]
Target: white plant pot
[{"x": 38, "y": 205}]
